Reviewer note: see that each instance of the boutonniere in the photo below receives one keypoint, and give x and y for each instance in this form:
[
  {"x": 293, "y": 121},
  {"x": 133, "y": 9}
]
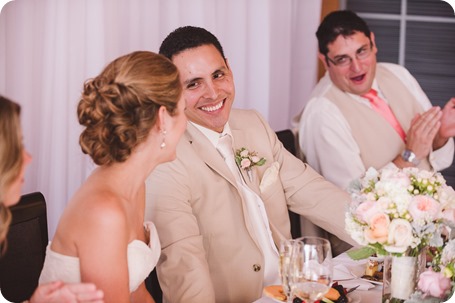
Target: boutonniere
[{"x": 246, "y": 159}]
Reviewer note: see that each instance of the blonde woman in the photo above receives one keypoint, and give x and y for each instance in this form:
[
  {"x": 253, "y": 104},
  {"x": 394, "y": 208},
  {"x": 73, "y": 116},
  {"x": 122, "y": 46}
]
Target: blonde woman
[
  {"x": 13, "y": 161},
  {"x": 133, "y": 115}
]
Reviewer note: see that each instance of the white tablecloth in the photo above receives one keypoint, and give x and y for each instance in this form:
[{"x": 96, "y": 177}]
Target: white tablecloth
[{"x": 372, "y": 295}]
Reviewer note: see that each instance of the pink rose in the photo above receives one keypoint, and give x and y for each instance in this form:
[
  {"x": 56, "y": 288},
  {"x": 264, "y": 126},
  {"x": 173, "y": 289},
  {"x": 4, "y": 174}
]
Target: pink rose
[
  {"x": 379, "y": 228},
  {"x": 245, "y": 163},
  {"x": 365, "y": 210},
  {"x": 434, "y": 284},
  {"x": 400, "y": 236},
  {"x": 424, "y": 208}
]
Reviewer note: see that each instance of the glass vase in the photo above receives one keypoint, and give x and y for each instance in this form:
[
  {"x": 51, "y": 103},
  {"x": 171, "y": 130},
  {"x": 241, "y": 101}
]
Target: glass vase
[{"x": 400, "y": 277}]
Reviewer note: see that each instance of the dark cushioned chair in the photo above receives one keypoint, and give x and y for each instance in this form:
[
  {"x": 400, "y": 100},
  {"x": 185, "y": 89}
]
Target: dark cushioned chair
[
  {"x": 27, "y": 239},
  {"x": 288, "y": 139}
]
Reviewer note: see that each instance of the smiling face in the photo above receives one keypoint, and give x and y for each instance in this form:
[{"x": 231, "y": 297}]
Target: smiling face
[
  {"x": 208, "y": 86},
  {"x": 356, "y": 78}
]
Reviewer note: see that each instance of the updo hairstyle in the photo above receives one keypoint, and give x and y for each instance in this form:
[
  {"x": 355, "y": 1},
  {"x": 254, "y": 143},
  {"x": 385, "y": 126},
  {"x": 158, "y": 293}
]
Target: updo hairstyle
[{"x": 119, "y": 107}]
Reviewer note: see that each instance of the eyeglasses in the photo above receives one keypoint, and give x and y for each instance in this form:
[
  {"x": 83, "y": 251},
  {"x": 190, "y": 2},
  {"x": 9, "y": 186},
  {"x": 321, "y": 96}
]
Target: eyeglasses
[{"x": 343, "y": 61}]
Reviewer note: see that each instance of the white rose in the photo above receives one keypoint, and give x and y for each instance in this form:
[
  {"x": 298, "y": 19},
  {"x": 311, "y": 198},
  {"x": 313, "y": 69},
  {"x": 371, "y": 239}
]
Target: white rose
[{"x": 400, "y": 236}]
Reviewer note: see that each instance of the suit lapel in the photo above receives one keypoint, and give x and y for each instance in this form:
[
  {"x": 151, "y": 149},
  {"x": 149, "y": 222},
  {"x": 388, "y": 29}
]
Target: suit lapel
[{"x": 208, "y": 153}]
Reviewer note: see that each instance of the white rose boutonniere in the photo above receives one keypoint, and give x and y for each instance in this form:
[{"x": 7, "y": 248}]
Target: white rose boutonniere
[{"x": 246, "y": 159}]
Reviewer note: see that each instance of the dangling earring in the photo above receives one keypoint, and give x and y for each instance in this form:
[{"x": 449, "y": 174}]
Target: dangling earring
[{"x": 163, "y": 144}]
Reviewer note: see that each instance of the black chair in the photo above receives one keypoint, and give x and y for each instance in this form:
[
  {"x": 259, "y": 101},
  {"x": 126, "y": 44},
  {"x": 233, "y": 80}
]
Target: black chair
[
  {"x": 288, "y": 139},
  {"x": 21, "y": 265},
  {"x": 153, "y": 286}
]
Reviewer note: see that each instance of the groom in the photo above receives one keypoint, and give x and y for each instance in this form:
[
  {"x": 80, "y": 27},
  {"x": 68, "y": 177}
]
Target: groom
[{"x": 219, "y": 224}]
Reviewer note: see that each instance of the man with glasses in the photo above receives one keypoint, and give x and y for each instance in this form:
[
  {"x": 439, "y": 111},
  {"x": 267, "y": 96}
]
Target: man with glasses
[{"x": 366, "y": 114}]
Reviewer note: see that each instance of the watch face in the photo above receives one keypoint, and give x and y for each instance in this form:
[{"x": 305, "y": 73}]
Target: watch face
[
  {"x": 406, "y": 155},
  {"x": 409, "y": 156}
]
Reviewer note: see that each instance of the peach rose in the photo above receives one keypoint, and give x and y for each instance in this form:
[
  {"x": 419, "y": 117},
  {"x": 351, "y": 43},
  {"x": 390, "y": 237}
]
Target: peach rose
[
  {"x": 378, "y": 230},
  {"x": 400, "y": 236}
]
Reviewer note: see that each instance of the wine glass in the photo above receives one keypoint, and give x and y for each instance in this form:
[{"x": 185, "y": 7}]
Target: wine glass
[
  {"x": 286, "y": 249},
  {"x": 311, "y": 266}
]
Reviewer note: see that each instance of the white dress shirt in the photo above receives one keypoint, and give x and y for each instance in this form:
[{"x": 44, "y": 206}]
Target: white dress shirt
[{"x": 326, "y": 140}]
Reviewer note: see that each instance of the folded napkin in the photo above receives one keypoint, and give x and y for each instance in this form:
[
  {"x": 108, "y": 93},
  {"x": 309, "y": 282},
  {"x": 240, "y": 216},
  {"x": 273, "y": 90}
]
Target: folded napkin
[
  {"x": 345, "y": 276},
  {"x": 363, "y": 285}
]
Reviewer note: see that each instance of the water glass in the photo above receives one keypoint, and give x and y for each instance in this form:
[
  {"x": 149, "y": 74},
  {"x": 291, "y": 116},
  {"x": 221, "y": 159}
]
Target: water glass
[{"x": 311, "y": 268}]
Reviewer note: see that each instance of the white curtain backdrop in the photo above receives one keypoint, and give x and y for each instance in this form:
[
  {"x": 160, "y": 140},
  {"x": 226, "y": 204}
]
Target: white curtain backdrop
[{"x": 48, "y": 48}]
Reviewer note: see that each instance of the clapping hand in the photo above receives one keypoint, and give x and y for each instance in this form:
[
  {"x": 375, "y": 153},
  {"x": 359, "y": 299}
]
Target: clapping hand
[
  {"x": 59, "y": 292},
  {"x": 423, "y": 130},
  {"x": 447, "y": 128}
]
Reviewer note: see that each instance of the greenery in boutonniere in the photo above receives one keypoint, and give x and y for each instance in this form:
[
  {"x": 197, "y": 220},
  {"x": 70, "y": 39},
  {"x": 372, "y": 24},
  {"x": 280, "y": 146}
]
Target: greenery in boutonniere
[{"x": 247, "y": 159}]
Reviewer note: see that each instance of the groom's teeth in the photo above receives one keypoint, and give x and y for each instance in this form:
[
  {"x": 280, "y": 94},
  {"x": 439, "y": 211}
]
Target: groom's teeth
[{"x": 212, "y": 108}]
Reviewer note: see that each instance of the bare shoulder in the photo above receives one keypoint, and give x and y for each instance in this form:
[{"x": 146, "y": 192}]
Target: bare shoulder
[
  {"x": 90, "y": 215},
  {"x": 102, "y": 208}
]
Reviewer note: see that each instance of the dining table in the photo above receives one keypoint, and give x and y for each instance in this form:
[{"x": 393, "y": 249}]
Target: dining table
[{"x": 346, "y": 272}]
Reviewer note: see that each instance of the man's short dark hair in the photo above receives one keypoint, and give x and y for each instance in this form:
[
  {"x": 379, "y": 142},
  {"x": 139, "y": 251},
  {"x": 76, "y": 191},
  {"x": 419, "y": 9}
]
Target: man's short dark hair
[
  {"x": 187, "y": 37},
  {"x": 343, "y": 22}
]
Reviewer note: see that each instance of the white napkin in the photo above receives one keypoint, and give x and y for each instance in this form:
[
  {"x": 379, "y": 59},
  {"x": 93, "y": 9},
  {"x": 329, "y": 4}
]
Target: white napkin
[{"x": 345, "y": 277}]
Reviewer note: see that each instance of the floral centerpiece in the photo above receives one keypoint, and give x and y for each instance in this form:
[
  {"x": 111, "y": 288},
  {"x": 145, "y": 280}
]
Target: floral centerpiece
[{"x": 400, "y": 213}]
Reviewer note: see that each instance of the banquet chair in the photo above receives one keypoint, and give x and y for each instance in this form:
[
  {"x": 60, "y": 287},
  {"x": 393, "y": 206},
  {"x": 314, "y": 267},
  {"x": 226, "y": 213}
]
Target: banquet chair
[
  {"x": 26, "y": 242},
  {"x": 288, "y": 139},
  {"x": 153, "y": 287}
]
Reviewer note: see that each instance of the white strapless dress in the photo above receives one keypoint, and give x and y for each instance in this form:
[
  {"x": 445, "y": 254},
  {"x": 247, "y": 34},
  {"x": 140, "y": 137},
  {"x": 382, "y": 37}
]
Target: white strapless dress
[{"x": 142, "y": 259}]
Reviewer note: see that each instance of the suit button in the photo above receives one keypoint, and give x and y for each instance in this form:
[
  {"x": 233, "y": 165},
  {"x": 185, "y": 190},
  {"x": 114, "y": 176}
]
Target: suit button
[{"x": 256, "y": 267}]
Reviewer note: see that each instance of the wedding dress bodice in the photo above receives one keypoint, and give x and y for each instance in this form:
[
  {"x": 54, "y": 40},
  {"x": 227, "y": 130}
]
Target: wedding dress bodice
[{"x": 142, "y": 259}]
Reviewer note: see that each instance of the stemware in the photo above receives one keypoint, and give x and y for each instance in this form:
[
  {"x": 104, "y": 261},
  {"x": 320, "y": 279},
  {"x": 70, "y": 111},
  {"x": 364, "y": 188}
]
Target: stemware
[
  {"x": 311, "y": 266},
  {"x": 286, "y": 250}
]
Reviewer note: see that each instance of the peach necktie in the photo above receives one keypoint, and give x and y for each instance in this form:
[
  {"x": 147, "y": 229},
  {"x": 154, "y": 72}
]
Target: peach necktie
[{"x": 380, "y": 106}]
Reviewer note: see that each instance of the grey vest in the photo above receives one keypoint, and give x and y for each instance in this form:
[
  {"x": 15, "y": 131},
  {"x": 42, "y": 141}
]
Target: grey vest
[{"x": 378, "y": 141}]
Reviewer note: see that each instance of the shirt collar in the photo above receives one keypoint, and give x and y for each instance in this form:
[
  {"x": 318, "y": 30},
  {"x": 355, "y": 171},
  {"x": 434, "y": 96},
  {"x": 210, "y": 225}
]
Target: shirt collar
[
  {"x": 374, "y": 86},
  {"x": 214, "y": 136}
]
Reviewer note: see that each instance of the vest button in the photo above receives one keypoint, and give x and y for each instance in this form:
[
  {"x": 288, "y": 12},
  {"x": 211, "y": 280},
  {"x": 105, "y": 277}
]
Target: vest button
[{"x": 256, "y": 267}]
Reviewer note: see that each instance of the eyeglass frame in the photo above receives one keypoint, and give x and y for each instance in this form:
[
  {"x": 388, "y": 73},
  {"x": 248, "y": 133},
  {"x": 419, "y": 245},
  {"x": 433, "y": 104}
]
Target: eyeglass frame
[{"x": 349, "y": 62}]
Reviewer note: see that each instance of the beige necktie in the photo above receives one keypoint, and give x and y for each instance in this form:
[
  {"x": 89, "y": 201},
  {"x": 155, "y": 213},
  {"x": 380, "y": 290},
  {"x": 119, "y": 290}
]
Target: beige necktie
[
  {"x": 256, "y": 213},
  {"x": 224, "y": 147},
  {"x": 381, "y": 107}
]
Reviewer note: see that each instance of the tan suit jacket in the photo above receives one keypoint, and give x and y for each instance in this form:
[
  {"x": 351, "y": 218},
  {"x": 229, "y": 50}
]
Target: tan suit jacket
[{"x": 209, "y": 253}]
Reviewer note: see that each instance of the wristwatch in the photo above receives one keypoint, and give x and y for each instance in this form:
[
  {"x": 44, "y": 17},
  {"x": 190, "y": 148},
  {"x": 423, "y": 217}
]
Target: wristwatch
[{"x": 409, "y": 156}]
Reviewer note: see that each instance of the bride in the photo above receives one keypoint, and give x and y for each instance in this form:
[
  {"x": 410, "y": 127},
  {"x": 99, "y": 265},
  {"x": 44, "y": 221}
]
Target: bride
[{"x": 133, "y": 114}]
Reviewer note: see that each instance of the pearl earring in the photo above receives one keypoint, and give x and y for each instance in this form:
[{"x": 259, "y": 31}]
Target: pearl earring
[{"x": 163, "y": 144}]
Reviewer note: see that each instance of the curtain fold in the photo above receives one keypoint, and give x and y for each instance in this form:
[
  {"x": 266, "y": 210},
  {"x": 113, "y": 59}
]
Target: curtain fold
[{"x": 49, "y": 48}]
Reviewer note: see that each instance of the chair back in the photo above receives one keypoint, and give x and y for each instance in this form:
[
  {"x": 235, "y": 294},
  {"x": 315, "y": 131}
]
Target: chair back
[
  {"x": 27, "y": 238},
  {"x": 288, "y": 139}
]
